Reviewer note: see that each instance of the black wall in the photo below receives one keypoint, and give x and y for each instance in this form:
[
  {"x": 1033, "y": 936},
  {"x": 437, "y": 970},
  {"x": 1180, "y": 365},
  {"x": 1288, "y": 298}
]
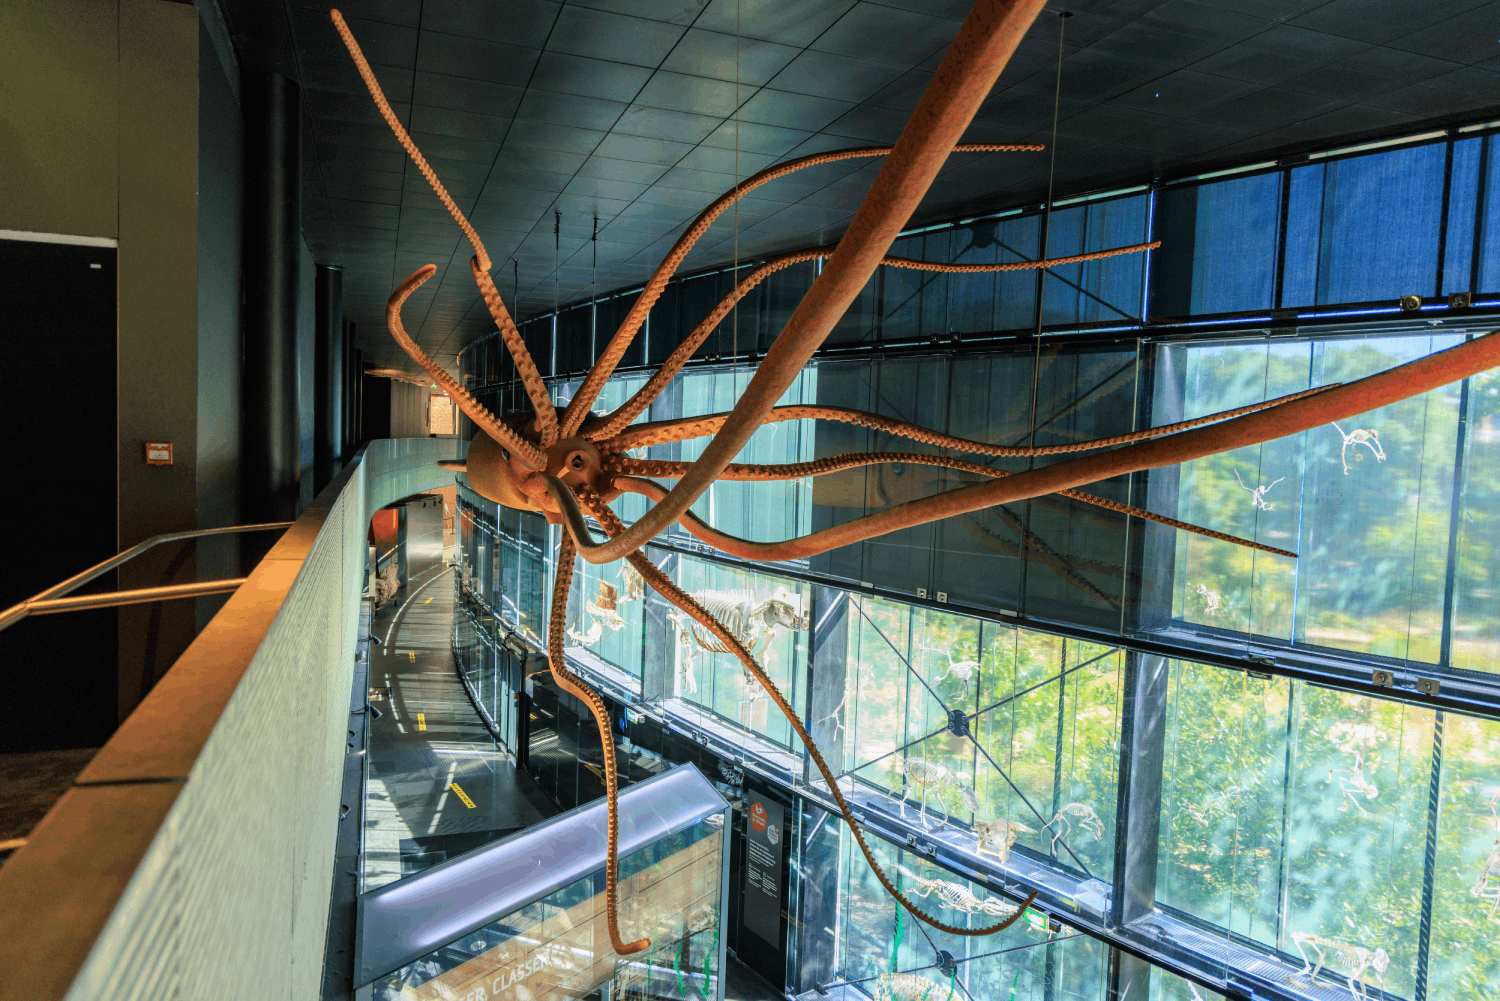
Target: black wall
[{"x": 59, "y": 413}]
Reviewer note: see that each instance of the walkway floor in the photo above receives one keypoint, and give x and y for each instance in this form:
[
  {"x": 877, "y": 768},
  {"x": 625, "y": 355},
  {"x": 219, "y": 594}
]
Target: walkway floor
[{"x": 438, "y": 785}]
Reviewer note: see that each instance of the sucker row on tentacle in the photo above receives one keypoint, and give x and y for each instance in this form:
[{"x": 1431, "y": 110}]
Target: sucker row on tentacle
[
  {"x": 1298, "y": 415},
  {"x": 476, "y": 411},
  {"x": 575, "y": 686},
  {"x": 536, "y": 389},
  {"x": 604, "y": 367},
  {"x": 666, "y": 469},
  {"x": 686, "y": 428},
  {"x": 643, "y": 398},
  {"x": 669, "y": 590}
]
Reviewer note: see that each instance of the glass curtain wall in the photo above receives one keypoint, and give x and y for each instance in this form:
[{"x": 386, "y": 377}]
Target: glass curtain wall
[{"x": 1292, "y": 820}]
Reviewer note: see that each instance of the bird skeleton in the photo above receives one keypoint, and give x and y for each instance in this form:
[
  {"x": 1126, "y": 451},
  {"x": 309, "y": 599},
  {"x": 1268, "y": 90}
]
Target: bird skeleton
[
  {"x": 1354, "y": 958},
  {"x": 932, "y": 779},
  {"x": 1369, "y": 438},
  {"x": 1258, "y": 494},
  {"x": 1352, "y": 780},
  {"x": 1211, "y": 599}
]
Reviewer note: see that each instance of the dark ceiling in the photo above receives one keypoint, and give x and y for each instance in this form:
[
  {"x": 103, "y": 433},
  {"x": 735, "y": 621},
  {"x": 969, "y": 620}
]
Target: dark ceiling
[{"x": 626, "y": 110}]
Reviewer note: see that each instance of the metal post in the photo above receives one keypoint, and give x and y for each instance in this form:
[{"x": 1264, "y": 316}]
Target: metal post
[{"x": 270, "y": 448}]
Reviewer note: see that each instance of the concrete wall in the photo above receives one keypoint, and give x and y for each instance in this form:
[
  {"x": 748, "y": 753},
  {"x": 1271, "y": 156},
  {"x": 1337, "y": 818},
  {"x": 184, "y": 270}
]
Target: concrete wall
[
  {"x": 409, "y": 417},
  {"x": 99, "y": 137}
]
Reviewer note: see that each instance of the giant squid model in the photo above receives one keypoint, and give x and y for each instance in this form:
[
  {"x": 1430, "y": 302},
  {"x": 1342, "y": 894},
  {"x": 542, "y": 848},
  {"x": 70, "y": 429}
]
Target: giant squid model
[{"x": 571, "y": 464}]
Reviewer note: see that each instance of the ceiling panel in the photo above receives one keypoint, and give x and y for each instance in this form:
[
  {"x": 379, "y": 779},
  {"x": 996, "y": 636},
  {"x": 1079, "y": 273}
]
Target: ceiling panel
[{"x": 641, "y": 112}]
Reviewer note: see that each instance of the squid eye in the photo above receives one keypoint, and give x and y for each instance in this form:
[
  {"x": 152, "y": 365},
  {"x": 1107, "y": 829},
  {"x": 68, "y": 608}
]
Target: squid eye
[{"x": 505, "y": 453}]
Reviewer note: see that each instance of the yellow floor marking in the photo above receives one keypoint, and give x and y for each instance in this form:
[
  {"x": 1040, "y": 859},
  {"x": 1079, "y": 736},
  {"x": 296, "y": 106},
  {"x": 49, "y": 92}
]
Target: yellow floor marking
[
  {"x": 412, "y": 654},
  {"x": 429, "y": 600},
  {"x": 461, "y": 794},
  {"x": 421, "y": 721}
]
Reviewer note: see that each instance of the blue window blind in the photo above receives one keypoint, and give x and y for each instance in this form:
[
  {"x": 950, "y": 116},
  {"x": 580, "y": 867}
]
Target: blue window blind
[
  {"x": 1458, "y": 257},
  {"x": 1218, "y": 252},
  {"x": 1365, "y": 228},
  {"x": 1107, "y": 291}
]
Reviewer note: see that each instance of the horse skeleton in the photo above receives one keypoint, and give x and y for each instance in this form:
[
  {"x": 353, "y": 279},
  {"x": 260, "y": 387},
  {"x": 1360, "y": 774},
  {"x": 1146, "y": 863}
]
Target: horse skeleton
[{"x": 932, "y": 778}]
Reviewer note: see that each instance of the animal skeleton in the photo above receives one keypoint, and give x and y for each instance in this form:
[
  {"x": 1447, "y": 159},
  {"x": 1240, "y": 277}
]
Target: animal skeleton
[
  {"x": 910, "y": 987},
  {"x": 1351, "y": 957},
  {"x": 1487, "y": 887},
  {"x": 852, "y": 680},
  {"x": 1087, "y": 819},
  {"x": 751, "y": 623},
  {"x": 1354, "y": 783},
  {"x": 571, "y": 464},
  {"x": 998, "y": 832},
  {"x": 932, "y": 778},
  {"x": 635, "y": 584},
  {"x": 1258, "y": 494},
  {"x": 1210, "y": 597},
  {"x": 606, "y": 607},
  {"x": 732, "y": 774},
  {"x": 1359, "y": 436},
  {"x": 963, "y": 670},
  {"x": 589, "y": 638},
  {"x": 958, "y": 897}
]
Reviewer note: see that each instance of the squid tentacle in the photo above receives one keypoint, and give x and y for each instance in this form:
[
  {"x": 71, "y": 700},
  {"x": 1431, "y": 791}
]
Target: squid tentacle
[
  {"x": 615, "y": 350},
  {"x": 637, "y": 404},
  {"x": 546, "y": 414},
  {"x": 667, "y": 469},
  {"x": 1294, "y": 417},
  {"x": 476, "y": 411},
  {"x": 575, "y": 686},
  {"x": 684, "y": 428},
  {"x": 669, "y": 590}
]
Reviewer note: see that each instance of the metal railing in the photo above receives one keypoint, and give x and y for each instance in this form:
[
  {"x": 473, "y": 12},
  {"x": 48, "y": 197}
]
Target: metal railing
[
  {"x": 51, "y": 601},
  {"x": 193, "y": 857}
]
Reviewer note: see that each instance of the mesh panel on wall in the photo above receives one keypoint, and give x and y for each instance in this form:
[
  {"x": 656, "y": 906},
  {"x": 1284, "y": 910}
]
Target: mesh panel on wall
[
  {"x": 538, "y": 337},
  {"x": 575, "y": 339},
  {"x": 1366, "y": 228},
  {"x": 1107, "y": 291},
  {"x": 1218, "y": 252},
  {"x": 666, "y": 329}
]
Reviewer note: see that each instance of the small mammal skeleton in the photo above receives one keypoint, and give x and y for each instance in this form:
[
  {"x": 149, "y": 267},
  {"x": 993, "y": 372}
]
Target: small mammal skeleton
[
  {"x": 1087, "y": 819},
  {"x": 1352, "y": 957},
  {"x": 932, "y": 778},
  {"x": 1369, "y": 438},
  {"x": 1001, "y": 833},
  {"x": 959, "y": 897},
  {"x": 1258, "y": 494},
  {"x": 1210, "y": 598},
  {"x": 1354, "y": 783}
]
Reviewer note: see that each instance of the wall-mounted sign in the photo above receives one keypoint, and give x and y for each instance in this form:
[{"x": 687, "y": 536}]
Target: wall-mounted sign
[
  {"x": 763, "y": 846},
  {"x": 158, "y": 453}
]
